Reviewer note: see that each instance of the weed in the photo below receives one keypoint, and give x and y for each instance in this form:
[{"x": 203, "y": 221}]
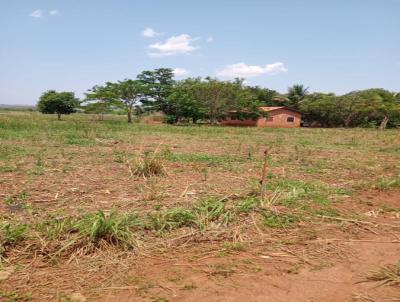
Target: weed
[
  {"x": 94, "y": 229},
  {"x": 38, "y": 165},
  {"x": 327, "y": 211},
  {"x": 211, "y": 211},
  {"x": 113, "y": 228},
  {"x": 248, "y": 204},
  {"x": 388, "y": 183},
  {"x": 119, "y": 157},
  {"x": 13, "y": 296},
  {"x": 389, "y": 208},
  {"x": 210, "y": 160},
  {"x": 8, "y": 169},
  {"x": 55, "y": 228},
  {"x": 278, "y": 220},
  {"x": 17, "y": 201},
  {"x": 189, "y": 286},
  {"x": 10, "y": 235}
]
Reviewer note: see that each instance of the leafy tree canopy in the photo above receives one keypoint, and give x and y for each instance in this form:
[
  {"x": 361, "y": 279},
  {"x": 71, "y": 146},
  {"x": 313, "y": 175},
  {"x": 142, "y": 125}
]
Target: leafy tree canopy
[{"x": 51, "y": 102}]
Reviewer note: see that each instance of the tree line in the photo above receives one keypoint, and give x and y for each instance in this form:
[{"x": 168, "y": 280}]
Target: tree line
[{"x": 209, "y": 99}]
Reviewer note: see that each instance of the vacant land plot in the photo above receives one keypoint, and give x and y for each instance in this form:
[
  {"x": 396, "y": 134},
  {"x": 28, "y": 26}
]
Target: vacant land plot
[{"x": 106, "y": 211}]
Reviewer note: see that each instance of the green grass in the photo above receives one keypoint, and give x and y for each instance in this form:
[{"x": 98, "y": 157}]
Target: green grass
[
  {"x": 388, "y": 183},
  {"x": 11, "y": 235},
  {"x": 279, "y": 220},
  {"x": 13, "y": 296}
]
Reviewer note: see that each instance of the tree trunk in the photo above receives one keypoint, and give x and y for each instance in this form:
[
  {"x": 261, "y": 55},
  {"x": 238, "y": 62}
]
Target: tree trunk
[
  {"x": 129, "y": 115},
  {"x": 384, "y": 122},
  {"x": 59, "y": 116},
  {"x": 349, "y": 119}
]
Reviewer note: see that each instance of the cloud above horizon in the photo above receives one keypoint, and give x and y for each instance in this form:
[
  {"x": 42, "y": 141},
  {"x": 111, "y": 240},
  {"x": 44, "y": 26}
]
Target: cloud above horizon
[
  {"x": 148, "y": 32},
  {"x": 242, "y": 70},
  {"x": 180, "y": 72},
  {"x": 39, "y": 13},
  {"x": 36, "y": 13},
  {"x": 175, "y": 45}
]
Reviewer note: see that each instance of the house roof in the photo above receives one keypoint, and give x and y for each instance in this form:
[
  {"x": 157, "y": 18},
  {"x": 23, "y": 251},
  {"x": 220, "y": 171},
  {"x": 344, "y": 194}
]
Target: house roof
[{"x": 272, "y": 108}]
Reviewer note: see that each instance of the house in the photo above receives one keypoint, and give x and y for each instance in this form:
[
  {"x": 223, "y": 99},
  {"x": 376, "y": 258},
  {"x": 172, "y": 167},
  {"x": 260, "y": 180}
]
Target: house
[{"x": 277, "y": 117}]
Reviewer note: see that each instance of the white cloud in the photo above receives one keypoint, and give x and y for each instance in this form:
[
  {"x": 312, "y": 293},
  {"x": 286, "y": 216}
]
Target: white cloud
[
  {"x": 180, "y": 72},
  {"x": 149, "y": 33},
  {"x": 181, "y": 44},
  {"x": 54, "y": 12},
  {"x": 275, "y": 68},
  {"x": 242, "y": 70},
  {"x": 210, "y": 39},
  {"x": 36, "y": 13}
]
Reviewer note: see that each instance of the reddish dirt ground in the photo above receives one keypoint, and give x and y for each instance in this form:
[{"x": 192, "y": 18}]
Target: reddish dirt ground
[{"x": 331, "y": 267}]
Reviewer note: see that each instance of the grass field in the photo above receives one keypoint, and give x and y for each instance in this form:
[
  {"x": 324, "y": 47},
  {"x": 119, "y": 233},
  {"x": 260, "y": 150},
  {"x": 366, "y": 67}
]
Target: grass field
[{"x": 104, "y": 210}]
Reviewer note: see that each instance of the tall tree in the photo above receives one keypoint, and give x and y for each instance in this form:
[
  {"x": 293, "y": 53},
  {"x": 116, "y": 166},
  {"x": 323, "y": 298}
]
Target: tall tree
[
  {"x": 266, "y": 96},
  {"x": 58, "y": 102},
  {"x": 182, "y": 102},
  {"x": 296, "y": 95},
  {"x": 128, "y": 93},
  {"x": 379, "y": 104},
  {"x": 160, "y": 83},
  {"x": 216, "y": 97},
  {"x": 99, "y": 100}
]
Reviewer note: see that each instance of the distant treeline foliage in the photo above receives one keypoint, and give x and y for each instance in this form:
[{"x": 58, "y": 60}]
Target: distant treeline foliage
[{"x": 209, "y": 99}]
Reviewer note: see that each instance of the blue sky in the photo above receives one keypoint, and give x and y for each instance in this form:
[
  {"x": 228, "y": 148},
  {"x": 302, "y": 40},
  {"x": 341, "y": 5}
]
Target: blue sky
[{"x": 330, "y": 46}]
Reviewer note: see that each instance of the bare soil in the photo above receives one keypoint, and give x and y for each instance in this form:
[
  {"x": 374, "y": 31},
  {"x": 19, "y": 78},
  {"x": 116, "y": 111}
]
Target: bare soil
[{"x": 331, "y": 267}]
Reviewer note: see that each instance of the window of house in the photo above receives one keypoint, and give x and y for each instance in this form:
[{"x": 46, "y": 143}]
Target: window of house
[{"x": 290, "y": 119}]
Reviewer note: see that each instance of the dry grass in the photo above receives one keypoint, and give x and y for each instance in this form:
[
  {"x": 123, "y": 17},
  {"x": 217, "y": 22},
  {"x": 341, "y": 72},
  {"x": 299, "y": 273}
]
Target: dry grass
[
  {"x": 67, "y": 197},
  {"x": 147, "y": 165},
  {"x": 386, "y": 275}
]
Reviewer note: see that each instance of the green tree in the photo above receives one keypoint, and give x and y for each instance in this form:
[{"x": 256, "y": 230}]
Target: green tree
[
  {"x": 182, "y": 102},
  {"x": 357, "y": 108},
  {"x": 296, "y": 94},
  {"x": 379, "y": 104},
  {"x": 321, "y": 108},
  {"x": 100, "y": 100},
  {"x": 266, "y": 96},
  {"x": 127, "y": 94},
  {"x": 215, "y": 96},
  {"x": 51, "y": 102},
  {"x": 160, "y": 83}
]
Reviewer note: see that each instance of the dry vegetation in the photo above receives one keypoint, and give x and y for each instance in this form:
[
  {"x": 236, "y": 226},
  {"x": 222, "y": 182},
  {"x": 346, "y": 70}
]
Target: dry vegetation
[{"x": 116, "y": 212}]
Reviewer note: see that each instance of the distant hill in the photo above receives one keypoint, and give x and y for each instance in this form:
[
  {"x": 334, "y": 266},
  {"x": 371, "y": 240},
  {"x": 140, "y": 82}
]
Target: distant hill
[{"x": 17, "y": 107}]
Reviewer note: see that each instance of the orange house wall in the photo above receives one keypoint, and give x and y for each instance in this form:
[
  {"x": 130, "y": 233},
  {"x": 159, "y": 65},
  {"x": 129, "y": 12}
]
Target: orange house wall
[{"x": 279, "y": 120}]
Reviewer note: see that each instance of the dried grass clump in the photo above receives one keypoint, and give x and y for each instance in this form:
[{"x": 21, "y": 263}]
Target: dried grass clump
[
  {"x": 147, "y": 165},
  {"x": 386, "y": 275}
]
